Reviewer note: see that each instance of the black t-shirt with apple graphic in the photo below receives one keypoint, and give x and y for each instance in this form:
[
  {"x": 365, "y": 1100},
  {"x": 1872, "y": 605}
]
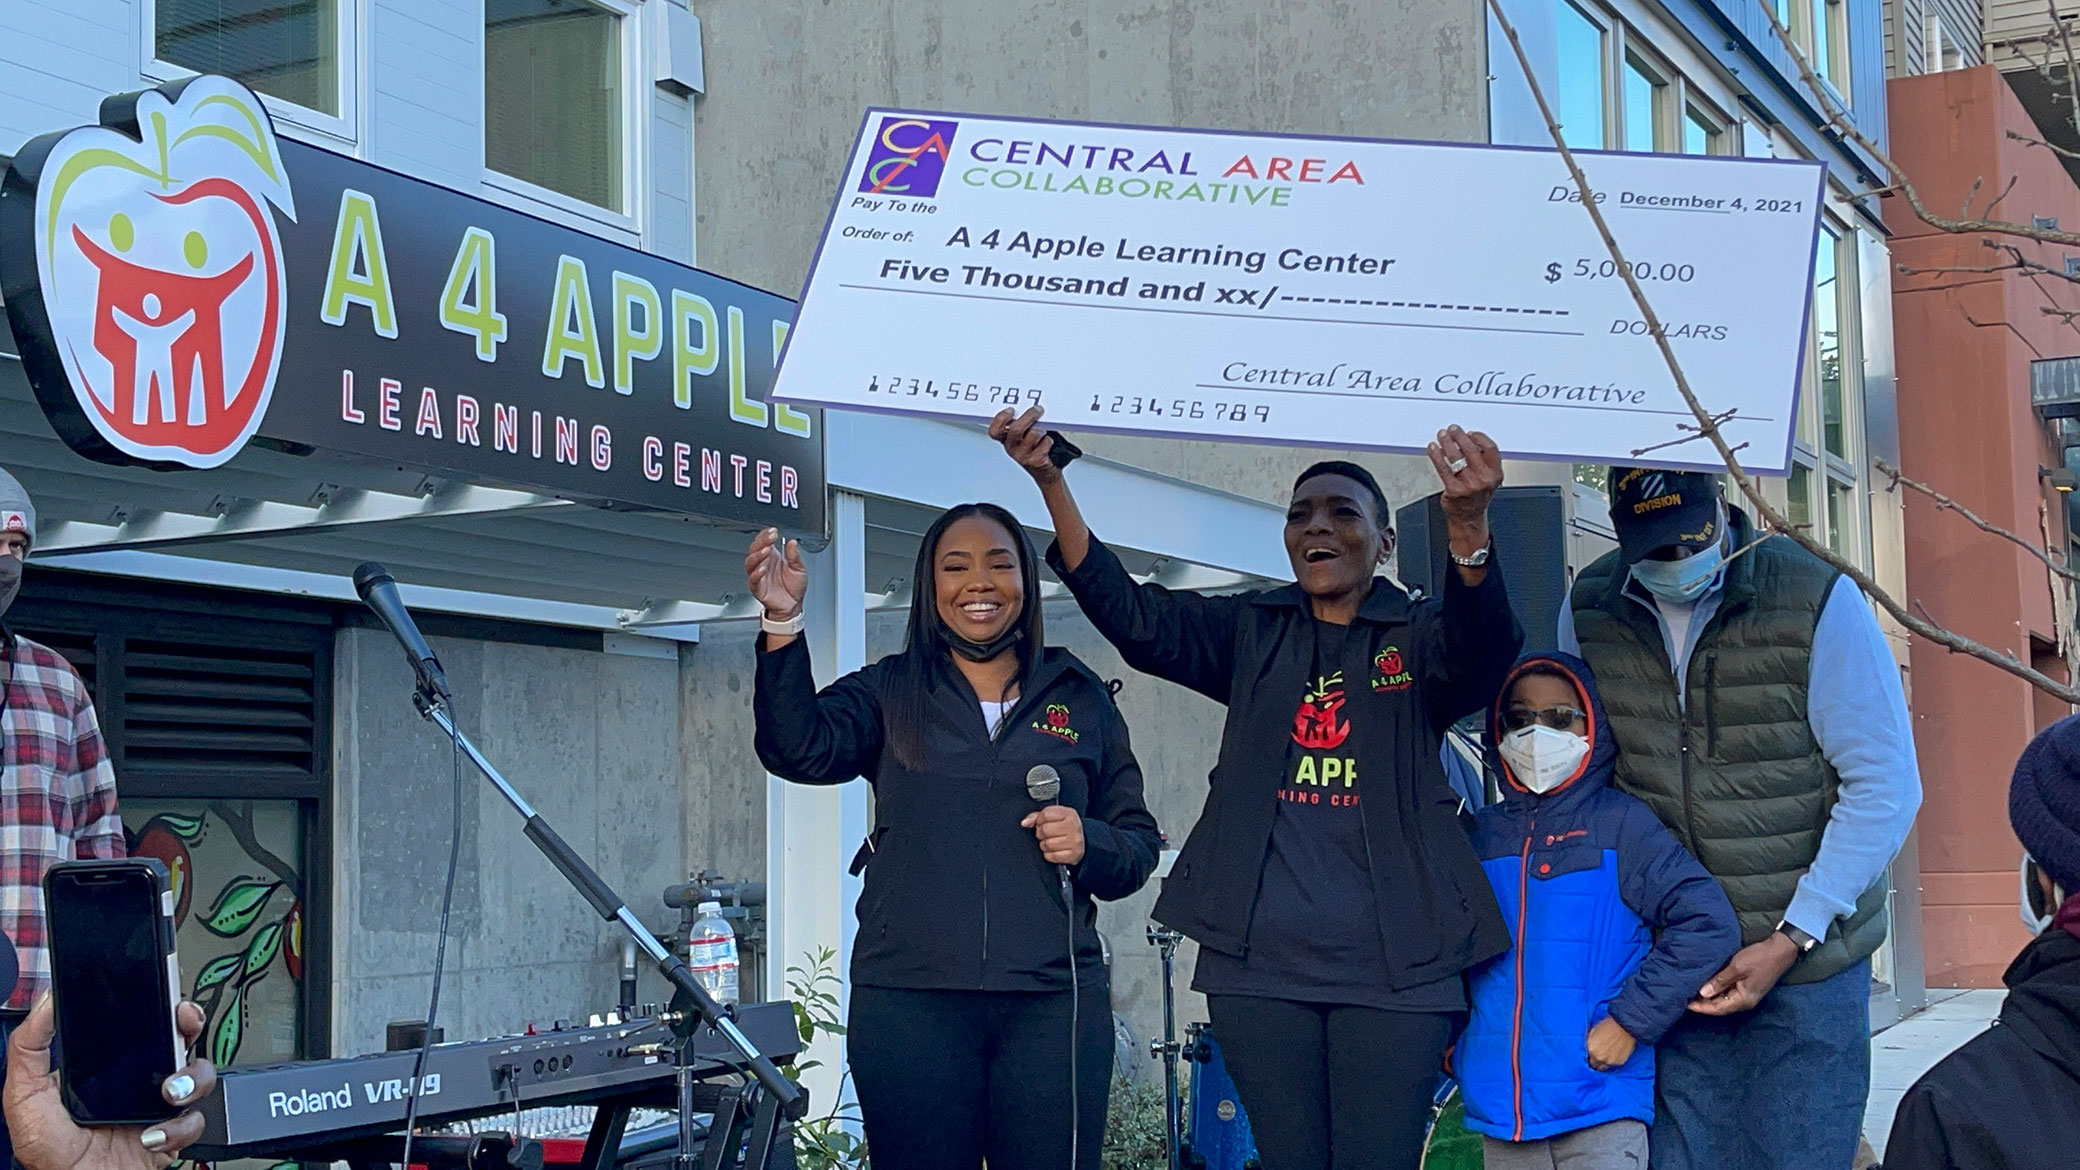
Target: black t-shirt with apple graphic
[{"x": 1314, "y": 934}]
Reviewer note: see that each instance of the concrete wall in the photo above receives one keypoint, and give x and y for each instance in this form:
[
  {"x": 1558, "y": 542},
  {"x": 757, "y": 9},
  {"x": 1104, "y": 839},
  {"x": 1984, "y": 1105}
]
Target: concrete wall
[
  {"x": 1965, "y": 341},
  {"x": 788, "y": 79},
  {"x": 591, "y": 739}
]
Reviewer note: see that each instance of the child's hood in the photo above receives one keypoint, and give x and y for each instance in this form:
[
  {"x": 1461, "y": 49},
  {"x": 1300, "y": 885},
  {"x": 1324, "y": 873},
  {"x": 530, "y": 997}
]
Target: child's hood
[{"x": 1602, "y": 763}]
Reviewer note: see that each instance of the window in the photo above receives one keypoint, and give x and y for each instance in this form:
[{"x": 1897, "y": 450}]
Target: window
[
  {"x": 1942, "y": 49},
  {"x": 1825, "y": 488},
  {"x": 1646, "y": 98},
  {"x": 1618, "y": 91},
  {"x": 289, "y": 50},
  {"x": 1820, "y": 29},
  {"x": 553, "y": 97},
  {"x": 1704, "y": 132},
  {"x": 1581, "y": 79}
]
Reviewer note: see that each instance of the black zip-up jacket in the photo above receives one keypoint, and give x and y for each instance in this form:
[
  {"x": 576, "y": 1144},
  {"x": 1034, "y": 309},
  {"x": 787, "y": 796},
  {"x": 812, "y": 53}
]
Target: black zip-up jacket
[
  {"x": 2009, "y": 1098},
  {"x": 1423, "y": 665},
  {"x": 956, "y": 894}
]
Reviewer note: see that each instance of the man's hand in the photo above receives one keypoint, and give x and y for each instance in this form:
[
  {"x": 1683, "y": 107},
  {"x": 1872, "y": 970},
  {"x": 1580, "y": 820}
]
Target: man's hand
[
  {"x": 1747, "y": 977},
  {"x": 46, "y": 1137},
  {"x": 1028, "y": 447},
  {"x": 1610, "y": 1045},
  {"x": 1059, "y": 829}
]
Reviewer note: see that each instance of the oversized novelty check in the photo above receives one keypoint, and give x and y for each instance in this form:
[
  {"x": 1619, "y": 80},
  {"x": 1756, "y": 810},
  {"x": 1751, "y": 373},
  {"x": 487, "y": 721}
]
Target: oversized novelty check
[{"x": 1326, "y": 292}]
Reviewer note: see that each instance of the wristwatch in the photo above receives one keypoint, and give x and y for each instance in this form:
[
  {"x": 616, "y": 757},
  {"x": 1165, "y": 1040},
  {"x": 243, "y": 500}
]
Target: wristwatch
[
  {"x": 1799, "y": 938},
  {"x": 791, "y": 626},
  {"x": 1478, "y": 558}
]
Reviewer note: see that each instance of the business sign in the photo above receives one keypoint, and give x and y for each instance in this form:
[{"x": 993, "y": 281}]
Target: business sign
[
  {"x": 182, "y": 282},
  {"x": 1326, "y": 292}
]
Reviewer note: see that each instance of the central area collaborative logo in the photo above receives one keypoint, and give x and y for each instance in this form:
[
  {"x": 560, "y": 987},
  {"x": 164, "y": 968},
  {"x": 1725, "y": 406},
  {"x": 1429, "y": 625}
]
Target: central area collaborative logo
[{"x": 909, "y": 156}]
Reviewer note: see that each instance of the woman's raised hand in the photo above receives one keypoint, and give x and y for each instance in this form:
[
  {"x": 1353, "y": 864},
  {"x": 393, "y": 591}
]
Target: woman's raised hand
[
  {"x": 776, "y": 575},
  {"x": 1470, "y": 467},
  {"x": 1028, "y": 446}
]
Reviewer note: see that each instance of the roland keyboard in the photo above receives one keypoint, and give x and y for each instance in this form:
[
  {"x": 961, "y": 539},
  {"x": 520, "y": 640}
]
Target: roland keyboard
[{"x": 269, "y": 1110}]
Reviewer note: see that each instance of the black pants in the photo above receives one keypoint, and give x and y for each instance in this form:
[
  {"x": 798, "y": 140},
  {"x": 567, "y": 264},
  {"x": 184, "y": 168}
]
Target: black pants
[
  {"x": 948, "y": 1078},
  {"x": 1330, "y": 1087}
]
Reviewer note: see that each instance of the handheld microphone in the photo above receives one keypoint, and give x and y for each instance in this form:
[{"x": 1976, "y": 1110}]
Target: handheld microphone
[
  {"x": 379, "y": 590},
  {"x": 1044, "y": 785}
]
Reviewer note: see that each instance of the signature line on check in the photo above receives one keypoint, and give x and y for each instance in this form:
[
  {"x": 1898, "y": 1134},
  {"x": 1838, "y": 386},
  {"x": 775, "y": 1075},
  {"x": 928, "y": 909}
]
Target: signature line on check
[
  {"x": 1258, "y": 315},
  {"x": 1309, "y": 392}
]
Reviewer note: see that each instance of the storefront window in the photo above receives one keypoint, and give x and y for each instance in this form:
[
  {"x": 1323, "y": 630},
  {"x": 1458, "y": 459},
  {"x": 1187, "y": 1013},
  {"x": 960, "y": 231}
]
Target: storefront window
[
  {"x": 238, "y": 882},
  {"x": 553, "y": 97},
  {"x": 287, "y": 49}
]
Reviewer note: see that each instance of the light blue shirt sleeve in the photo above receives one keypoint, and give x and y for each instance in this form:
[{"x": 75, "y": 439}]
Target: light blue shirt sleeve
[
  {"x": 1568, "y": 642},
  {"x": 1858, "y": 711}
]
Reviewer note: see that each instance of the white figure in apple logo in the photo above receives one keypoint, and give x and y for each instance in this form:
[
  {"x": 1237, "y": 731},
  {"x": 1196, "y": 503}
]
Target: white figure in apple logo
[{"x": 153, "y": 382}]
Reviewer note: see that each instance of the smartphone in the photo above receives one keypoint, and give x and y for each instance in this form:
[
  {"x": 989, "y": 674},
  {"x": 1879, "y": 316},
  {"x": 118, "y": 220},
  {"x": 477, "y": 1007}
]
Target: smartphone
[{"x": 115, "y": 980}]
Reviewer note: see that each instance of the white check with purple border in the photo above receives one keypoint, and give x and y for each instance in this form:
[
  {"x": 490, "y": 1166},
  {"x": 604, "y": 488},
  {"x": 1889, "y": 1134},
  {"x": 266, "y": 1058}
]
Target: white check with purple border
[{"x": 1314, "y": 291}]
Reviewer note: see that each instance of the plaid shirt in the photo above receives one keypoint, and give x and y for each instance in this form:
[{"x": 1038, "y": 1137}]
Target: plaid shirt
[{"x": 57, "y": 797}]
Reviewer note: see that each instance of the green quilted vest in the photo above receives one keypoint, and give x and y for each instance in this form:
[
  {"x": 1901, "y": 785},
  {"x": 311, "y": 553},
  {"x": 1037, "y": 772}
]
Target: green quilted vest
[{"x": 1735, "y": 771}]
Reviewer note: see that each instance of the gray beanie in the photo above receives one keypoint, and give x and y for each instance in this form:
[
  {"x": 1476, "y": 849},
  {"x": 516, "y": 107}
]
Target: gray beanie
[{"x": 17, "y": 514}]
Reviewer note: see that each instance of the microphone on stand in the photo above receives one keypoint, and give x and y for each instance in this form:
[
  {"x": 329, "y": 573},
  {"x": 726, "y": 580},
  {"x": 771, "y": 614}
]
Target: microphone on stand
[
  {"x": 379, "y": 590},
  {"x": 1044, "y": 785}
]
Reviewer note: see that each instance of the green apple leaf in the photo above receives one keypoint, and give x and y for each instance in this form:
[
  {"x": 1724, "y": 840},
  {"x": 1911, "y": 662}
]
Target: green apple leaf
[
  {"x": 238, "y": 905},
  {"x": 261, "y": 951},
  {"x": 219, "y": 970}
]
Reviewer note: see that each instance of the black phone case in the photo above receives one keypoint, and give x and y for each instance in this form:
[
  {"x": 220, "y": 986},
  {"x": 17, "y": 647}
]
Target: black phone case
[{"x": 162, "y": 888}]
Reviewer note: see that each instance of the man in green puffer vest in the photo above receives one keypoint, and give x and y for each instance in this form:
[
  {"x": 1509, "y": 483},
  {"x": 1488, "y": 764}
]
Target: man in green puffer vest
[{"x": 1758, "y": 711}]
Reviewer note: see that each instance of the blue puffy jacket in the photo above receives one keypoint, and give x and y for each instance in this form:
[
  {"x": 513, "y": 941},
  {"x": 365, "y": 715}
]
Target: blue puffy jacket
[{"x": 1608, "y": 916}]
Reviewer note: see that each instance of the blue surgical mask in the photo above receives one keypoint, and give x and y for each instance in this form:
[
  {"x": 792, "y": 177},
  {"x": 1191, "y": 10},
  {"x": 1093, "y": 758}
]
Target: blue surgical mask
[{"x": 1683, "y": 581}]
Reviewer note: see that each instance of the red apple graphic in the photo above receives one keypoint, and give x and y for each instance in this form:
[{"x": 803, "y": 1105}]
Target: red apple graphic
[
  {"x": 1318, "y": 725},
  {"x": 161, "y": 274}
]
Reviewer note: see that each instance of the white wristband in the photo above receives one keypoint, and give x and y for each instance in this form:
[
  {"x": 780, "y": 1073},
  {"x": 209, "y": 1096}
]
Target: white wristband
[{"x": 787, "y": 628}]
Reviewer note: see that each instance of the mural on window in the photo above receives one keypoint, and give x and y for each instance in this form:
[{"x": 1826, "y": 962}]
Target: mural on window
[{"x": 238, "y": 910}]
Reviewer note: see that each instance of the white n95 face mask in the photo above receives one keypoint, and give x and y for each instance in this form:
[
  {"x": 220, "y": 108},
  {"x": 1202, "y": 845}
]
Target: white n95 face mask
[{"x": 1542, "y": 758}]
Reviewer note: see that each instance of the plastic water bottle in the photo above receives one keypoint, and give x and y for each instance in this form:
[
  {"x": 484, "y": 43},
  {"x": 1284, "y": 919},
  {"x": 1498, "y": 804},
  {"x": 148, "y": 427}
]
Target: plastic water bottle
[{"x": 713, "y": 953}]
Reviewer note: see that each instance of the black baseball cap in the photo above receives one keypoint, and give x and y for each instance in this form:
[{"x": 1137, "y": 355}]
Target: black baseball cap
[{"x": 1653, "y": 509}]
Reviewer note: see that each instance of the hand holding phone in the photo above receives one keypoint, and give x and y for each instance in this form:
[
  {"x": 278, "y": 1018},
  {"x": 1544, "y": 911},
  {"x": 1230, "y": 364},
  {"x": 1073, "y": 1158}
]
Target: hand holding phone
[
  {"x": 115, "y": 979},
  {"x": 47, "y": 1138}
]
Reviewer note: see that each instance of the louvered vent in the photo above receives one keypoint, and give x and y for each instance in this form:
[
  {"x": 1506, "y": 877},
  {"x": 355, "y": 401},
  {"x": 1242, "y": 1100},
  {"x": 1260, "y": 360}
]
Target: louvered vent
[{"x": 225, "y": 712}]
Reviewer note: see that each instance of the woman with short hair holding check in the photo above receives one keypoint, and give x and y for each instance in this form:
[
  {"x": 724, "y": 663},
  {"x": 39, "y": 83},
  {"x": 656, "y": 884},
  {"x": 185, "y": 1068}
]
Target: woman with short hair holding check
[{"x": 1329, "y": 881}]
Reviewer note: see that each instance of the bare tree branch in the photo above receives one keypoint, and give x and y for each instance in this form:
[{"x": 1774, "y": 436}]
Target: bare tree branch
[
  {"x": 1709, "y": 429},
  {"x": 1946, "y": 504}
]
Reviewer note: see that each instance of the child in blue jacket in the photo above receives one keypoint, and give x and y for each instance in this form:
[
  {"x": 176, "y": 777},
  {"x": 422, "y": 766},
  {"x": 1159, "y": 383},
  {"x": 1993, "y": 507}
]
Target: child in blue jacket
[{"x": 1614, "y": 927}]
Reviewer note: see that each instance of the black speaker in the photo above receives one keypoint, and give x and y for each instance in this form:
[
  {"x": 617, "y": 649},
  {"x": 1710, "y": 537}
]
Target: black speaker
[{"x": 1530, "y": 527}]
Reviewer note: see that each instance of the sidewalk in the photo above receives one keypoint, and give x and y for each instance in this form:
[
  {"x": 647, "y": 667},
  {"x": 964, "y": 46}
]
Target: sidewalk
[{"x": 1901, "y": 1053}]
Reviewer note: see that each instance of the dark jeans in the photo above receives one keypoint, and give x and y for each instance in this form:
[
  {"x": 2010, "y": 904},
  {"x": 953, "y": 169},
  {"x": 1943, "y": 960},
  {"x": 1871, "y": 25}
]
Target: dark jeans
[
  {"x": 1329, "y": 1087},
  {"x": 1782, "y": 1087},
  {"x": 948, "y": 1078}
]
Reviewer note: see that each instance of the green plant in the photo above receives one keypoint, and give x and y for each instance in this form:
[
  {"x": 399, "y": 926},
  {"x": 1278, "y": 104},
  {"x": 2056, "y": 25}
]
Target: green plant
[
  {"x": 829, "y": 1142},
  {"x": 1135, "y": 1128}
]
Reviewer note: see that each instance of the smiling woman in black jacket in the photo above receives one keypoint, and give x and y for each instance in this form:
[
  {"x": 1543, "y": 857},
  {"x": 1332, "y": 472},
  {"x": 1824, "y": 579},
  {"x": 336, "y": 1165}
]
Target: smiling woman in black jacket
[
  {"x": 961, "y": 1005},
  {"x": 1329, "y": 882}
]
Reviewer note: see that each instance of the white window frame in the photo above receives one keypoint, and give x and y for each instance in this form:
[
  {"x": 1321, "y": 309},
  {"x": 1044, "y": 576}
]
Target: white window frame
[
  {"x": 343, "y": 129},
  {"x": 1935, "y": 36},
  {"x": 627, "y": 220}
]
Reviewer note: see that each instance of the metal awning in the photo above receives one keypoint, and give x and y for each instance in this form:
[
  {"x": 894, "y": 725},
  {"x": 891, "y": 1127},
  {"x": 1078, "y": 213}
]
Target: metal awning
[{"x": 278, "y": 522}]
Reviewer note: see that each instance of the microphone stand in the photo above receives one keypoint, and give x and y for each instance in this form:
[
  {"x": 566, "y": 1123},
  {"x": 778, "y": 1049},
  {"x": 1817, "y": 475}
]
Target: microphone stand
[
  {"x": 792, "y": 1101},
  {"x": 1167, "y": 1049}
]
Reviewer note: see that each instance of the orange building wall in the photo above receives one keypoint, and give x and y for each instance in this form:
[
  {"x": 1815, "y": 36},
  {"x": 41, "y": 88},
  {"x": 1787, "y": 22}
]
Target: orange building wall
[{"x": 1963, "y": 343}]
